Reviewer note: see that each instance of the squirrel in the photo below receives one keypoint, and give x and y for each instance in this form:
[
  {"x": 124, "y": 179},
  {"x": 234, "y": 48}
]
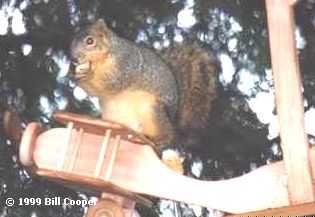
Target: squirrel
[{"x": 161, "y": 96}]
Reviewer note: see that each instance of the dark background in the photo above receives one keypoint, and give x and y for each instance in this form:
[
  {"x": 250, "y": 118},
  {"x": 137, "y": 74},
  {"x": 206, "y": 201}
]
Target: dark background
[{"x": 34, "y": 83}]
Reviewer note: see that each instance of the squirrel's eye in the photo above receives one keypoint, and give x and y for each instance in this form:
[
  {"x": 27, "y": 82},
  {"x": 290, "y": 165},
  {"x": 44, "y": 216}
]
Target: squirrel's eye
[{"x": 89, "y": 40}]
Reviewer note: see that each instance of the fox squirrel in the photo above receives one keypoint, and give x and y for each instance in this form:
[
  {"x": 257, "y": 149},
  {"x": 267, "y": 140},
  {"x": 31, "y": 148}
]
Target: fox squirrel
[{"x": 159, "y": 98}]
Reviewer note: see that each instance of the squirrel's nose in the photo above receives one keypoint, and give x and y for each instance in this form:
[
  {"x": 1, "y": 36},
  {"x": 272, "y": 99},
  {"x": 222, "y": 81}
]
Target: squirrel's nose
[{"x": 74, "y": 57}]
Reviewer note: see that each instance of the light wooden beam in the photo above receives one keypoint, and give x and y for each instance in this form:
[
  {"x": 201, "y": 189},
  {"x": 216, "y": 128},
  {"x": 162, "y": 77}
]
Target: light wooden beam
[{"x": 289, "y": 101}]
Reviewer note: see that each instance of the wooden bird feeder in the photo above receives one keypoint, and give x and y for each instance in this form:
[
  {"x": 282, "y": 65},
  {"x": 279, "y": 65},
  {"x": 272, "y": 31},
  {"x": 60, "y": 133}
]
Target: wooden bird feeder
[{"x": 108, "y": 157}]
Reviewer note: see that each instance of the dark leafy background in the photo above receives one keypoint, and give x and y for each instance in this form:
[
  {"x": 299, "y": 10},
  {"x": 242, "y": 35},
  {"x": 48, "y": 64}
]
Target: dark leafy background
[{"x": 34, "y": 84}]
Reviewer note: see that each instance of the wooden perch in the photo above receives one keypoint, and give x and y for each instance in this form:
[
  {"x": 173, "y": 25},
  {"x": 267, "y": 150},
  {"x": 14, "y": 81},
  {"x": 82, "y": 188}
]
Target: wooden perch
[{"x": 138, "y": 169}]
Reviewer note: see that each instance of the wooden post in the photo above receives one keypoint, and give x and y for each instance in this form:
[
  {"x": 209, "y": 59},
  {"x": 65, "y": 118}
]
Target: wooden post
[{"x": 289, "y": 99}]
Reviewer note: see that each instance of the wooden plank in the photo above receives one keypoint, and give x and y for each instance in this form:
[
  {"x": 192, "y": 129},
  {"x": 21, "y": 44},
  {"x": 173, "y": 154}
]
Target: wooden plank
[
  {"x": 295, "y": 210},
  {"x": 289, "y": 100}
]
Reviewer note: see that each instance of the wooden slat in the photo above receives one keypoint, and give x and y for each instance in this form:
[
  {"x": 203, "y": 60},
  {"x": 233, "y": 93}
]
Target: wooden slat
[
  {"x": 112, "y": 159},
  {"x": 289, "y": 100},
  {"x": 76, "y": 149},
  {"x": 102, "y": 153},
  {"x": 64, "y": 147}
]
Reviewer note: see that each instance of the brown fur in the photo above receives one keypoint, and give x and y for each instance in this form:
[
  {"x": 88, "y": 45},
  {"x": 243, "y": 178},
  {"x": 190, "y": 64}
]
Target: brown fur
[
  {"x": 196, "y": 72},
  {"x": 102, "y": 66}
]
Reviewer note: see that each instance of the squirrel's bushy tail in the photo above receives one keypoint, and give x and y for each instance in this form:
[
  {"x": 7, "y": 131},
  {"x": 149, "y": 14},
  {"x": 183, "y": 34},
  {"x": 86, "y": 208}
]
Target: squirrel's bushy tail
[{"x": 196, "y": 72}]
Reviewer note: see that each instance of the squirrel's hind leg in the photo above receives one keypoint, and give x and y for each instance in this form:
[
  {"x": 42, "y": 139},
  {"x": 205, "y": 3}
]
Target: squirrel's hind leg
[{"x": 167, "y": 141}]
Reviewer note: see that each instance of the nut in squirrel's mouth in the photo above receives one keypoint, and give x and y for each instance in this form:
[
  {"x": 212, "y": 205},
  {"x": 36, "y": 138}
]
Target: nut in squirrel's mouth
[{"x": 82, "y": 67}]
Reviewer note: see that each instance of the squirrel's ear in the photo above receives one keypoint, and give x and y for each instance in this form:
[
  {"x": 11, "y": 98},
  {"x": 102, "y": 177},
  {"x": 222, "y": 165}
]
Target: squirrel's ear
[{"x": 101, "y": 26}]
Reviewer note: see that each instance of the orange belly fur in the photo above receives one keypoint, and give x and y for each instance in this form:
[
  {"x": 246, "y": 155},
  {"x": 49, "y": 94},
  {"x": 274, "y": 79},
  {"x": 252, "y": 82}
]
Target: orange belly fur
[{"x": 135, "y": 109}]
